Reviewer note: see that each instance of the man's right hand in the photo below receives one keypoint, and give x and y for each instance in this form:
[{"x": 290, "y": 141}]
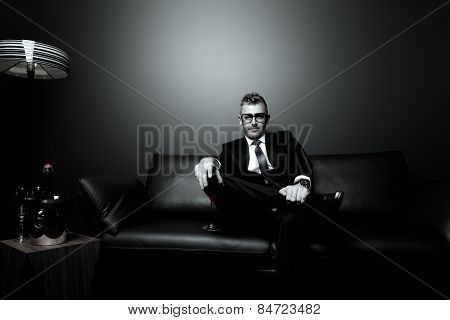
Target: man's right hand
[{"x": 205, "y": 169}]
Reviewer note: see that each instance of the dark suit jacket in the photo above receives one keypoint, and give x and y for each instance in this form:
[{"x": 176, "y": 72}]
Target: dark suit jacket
[{"x": 284, "y": 152}]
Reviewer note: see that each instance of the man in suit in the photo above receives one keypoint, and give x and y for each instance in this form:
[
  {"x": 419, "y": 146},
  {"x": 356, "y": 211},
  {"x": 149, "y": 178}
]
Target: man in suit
[{"x": 264, "y": 179}]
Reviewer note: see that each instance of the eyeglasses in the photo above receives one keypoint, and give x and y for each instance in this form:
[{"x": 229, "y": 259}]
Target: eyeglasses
[{"x": 259, "y": 117}]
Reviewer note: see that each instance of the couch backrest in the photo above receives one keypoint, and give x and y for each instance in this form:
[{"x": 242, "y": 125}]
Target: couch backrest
[
  {"x": 374, "y": 184},
  {"x": 172, "y": 185}
]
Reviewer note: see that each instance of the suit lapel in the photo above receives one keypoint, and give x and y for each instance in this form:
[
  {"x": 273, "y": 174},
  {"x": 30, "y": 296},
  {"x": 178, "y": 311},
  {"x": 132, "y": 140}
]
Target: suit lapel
[
  {"x": 245, "y": 158},
  {"x": 270, "y": 148},
  {"x": 243, "y": 155}
]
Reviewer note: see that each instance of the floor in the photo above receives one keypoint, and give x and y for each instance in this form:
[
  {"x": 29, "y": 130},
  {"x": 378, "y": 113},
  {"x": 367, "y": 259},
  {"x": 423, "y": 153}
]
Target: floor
[{"x": 268, "y": 284}]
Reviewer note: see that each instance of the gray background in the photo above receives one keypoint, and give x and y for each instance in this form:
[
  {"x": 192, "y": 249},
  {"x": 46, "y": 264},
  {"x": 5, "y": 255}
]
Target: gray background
[{"x": 197, "y": 58}]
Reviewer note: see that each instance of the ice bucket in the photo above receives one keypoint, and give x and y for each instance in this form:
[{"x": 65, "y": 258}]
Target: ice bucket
[{"x": 48, "y": 224}]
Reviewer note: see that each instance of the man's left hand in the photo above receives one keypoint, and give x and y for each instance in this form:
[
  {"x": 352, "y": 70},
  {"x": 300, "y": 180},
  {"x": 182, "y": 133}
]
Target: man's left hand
[{"x": 295, "y": 193}]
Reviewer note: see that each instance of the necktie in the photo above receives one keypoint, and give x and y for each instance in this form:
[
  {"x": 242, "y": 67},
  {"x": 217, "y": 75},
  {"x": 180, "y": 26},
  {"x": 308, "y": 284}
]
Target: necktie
[{"x": 262, "y": 161}]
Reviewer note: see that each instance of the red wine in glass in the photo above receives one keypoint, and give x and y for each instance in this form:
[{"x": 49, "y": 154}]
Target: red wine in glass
[{"x": 213, "y": 191}]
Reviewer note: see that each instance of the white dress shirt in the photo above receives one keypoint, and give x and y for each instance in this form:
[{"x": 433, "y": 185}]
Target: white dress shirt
[{"x": 253, "y": 164}]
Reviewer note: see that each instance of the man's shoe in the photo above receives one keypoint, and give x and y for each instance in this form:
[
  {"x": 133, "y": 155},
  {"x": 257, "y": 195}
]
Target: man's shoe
[{"x": 328, "y": 203}]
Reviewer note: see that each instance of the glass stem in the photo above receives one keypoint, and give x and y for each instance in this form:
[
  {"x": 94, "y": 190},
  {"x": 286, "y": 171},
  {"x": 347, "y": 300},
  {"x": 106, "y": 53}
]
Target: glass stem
[
  {"x": 21, "y": 232},
  {"x": 21, "y": 224},
  {"x": 212, "y": 212}
]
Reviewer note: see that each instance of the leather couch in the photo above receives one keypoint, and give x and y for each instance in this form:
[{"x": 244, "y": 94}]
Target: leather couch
[{"x": 388, "y": 240}]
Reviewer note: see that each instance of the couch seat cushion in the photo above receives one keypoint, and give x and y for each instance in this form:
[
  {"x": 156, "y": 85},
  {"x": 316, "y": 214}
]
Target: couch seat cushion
[{"x": 184, "y": 234}]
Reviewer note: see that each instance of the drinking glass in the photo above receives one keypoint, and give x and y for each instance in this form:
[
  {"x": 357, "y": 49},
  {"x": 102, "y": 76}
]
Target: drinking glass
[
  {"x": 21, "y": 217},
  {"x": 213, "y": 191}
]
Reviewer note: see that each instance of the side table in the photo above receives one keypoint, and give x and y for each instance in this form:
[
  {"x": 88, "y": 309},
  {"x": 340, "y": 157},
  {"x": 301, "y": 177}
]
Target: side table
[{"x": 63, "y": 271}]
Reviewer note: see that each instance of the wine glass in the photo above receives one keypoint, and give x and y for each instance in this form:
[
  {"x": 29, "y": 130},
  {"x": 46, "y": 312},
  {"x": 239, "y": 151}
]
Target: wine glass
[
  {"x": 20, "y": 196},
  {"x": 212, "y": 190},
  {"x": 21, "y": 216}
]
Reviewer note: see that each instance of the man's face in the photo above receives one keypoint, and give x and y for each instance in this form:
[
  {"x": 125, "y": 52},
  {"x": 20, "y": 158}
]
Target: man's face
[{"x": 253, "y": 129}]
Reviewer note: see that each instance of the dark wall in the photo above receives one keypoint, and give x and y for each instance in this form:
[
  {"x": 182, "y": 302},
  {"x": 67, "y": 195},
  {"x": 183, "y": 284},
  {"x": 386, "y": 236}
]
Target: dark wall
[{"x": 196, "y": 59}]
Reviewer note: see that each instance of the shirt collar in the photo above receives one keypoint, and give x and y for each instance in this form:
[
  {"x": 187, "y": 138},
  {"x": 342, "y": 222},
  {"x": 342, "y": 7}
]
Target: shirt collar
[{"x": 250, "y": 141}]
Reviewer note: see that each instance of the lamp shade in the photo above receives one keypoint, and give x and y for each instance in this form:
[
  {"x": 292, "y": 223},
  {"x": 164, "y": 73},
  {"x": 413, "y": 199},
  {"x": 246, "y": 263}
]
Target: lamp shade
[{"x": 26, "y": 58}]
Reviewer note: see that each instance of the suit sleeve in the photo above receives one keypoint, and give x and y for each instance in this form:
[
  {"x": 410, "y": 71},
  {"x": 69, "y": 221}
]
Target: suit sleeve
[{"x": 224, "y": 161}]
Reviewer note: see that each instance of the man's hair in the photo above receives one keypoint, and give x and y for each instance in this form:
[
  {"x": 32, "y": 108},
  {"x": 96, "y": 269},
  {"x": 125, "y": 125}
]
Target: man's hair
[{"x": 253, "y": 98}]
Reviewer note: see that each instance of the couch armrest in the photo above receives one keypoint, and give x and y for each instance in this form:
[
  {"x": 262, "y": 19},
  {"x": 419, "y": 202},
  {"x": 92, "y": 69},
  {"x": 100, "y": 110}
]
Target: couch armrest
[
  {"x": 109, "y": 202},
  {"x": 433, "y": 207},
  {"x": 81, "y": 215}
]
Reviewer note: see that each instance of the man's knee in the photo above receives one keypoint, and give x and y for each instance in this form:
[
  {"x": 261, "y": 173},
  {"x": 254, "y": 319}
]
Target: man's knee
[{"x": 291, "y": 215}]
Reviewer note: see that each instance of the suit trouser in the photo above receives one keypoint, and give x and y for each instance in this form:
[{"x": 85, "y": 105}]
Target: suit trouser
[{"x": 249, "y": 206}]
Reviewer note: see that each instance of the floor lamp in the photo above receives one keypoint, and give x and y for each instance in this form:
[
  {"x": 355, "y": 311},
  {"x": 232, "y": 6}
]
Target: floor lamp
[{"x": 32, "y": 60}]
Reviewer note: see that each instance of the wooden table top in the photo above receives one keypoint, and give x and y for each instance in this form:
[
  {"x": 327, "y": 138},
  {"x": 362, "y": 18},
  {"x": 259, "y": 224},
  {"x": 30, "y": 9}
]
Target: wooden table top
[{"x": 73, "y": 239}]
